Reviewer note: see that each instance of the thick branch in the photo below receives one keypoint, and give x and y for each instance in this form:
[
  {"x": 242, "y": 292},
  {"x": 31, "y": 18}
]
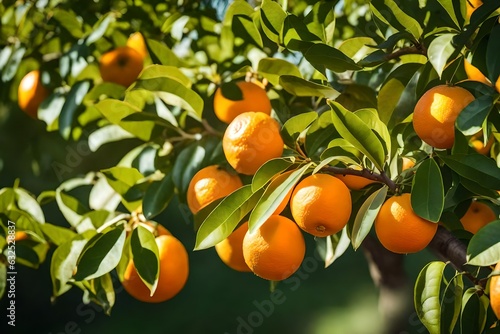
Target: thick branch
[
  {"x": 366, "y": 173},
  {"x": 447, "y": 247},
  {"x": 416, "y": 49}
]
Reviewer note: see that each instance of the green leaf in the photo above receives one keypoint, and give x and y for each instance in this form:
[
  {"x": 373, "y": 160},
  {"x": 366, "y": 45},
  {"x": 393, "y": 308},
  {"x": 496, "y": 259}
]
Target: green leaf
[
  {"x": 322, "y": 57},
  {"x": 71, "y": 208},
  {"x": 267, "y": 171},
  {"x": 73, "y": 100},
  {"x": 451, "y": 304},
  {"x": 273, "y": 68},
  {"x": 319, "y": 134},
  {"x": 471, "y": 118},
  {"x": 475, "y": 167},
  {"x": 301, "y": 87},
  {"x": 388, "y": 11},
  {"x": 450, "y": 10},
  {"x": 57, "y": 234},
  {"x": 101, "y": 291},
  {"x": 395, "y": 94},
  {"x": 145, "y": 255},
  {"x": 27, "y": 203},
  {"x": 100, "y": 28},
  {"x": 162, "y": 71},
  {"x": 366, "y": 216},
  {"x": 295, "y": 35},
  {"x": 294, "y": 126},
  {"x": 69, "y": 21},
  {"x": 50, "y": 109},
  {"x": 440, "y": 51},
  {"x": 492, "y": 52},
  {"x": 12, "y": 66},
  {"x": 427, "y": 296},
  {"x": 473, "y": 312},
  {"x": 332, "y": 247},
  {"x": 371, "y": 118},
  {"x": 107, "y": 134},
  {"x": 484, "y": 247},
  {"x": 122, "y": 179},
  {"x": 191, "y": 159},
  {"x": 117, "y": 111},
  {"x": 244, "y": 26},
  {"x": 357, "y": 48},
  {"x": 101, "y": 254},
  {"x": 64, "y": 262},
  {"x": 272, "y": 18},
  {"x": 172, "y": 92},
  {"x": 221, "y": 222},
  {"x": 157, "y": 197},
  {"x": 427, "y": 192},
  {"x": 354, "y": 130},
  {"x": 273, "y": 196},
  {"x": 160, "y": 53}
]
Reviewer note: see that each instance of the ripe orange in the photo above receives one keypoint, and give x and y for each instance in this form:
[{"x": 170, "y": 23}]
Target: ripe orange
[
  {"x": 321, "y": 205},
  {"x": 174, "y": 271},
  {"x": 254, "y": 99},
  {"x": 497, "y": 84},
  {"x": 20, "y": 235},
  {"x": 495, "y": 292},
  {"x": 476, "y": 142},
  {"x": 477, "y": 216},
  {"x": 250, "y": 140},
  {"x": 208, "y": 184},
  {"x": 407, "y": 163},
  {"x": 354, "y": 182},
  {"x": 121, "y": 65},
  {"x": 230, "y": 250},
  {"x": 276, "y": 250},
  {"x": 399, "y": 229},
  {"x": 31, "y": 93},
  {"x": 473, "y": 73},
  {"x": 136, "y": 41},
  {"x": 435, "y": 114},
  {"x": 472, "y": 5}
]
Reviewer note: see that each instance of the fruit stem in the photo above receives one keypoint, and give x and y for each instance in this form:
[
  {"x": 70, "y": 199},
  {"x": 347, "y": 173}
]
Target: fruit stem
[{"x": 365, "y": 172}]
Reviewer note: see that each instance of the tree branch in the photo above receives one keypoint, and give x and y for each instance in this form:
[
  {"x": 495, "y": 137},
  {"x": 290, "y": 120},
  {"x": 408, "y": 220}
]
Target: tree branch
[
  {"x": 448, "y": 248},
  {"x": 415, "y": 49},
  {"x": 365, "y": 172}
]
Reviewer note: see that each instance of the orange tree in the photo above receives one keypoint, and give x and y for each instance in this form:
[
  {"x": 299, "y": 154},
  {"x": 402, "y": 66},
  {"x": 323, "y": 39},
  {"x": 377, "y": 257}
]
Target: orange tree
[{"x": 275, "y": 94}]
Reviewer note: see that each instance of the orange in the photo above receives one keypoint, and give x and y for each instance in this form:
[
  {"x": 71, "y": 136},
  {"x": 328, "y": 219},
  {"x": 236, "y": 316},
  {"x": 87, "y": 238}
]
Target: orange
[
  {"x": 321, "y": 205},
  {"x": 399, "y": 229},
  {"x": 250, "y": 140},
  {"x": 435, "y": 114},
  {"x": 174, "y": 271},
  {"x": 497, "y": 84},
  {"x": 209, "y": 184},
  {"x": 477, "y": 216},
  {"x": 254, "y": 99},
  {"x": 31, "y": 93},
  {"x": 20, "y": 235},
  {"x": 495, "y": 292},
  {"x": 477, "y": 143},
  {"x": 473, "y": 73},
  {"x": 407, "y": 163},
  {"x": 121, "y": 65},
  {"x": 230, "y": 250},
  {"x": 136, "y": 41},
  {"x": 472, "y": 5},
  {"x": 276, "y": 250},
  {"x": 354, "y": 182}
]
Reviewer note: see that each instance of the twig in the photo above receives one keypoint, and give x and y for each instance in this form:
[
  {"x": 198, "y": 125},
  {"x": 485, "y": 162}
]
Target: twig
[
  {"x": 365, "y": 172},
  {"x": 416, "y": 49}
]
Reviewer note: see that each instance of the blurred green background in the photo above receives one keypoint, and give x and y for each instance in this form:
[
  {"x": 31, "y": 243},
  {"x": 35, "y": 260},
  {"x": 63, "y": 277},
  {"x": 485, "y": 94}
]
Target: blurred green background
[{"x": 216, "y": 299}]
